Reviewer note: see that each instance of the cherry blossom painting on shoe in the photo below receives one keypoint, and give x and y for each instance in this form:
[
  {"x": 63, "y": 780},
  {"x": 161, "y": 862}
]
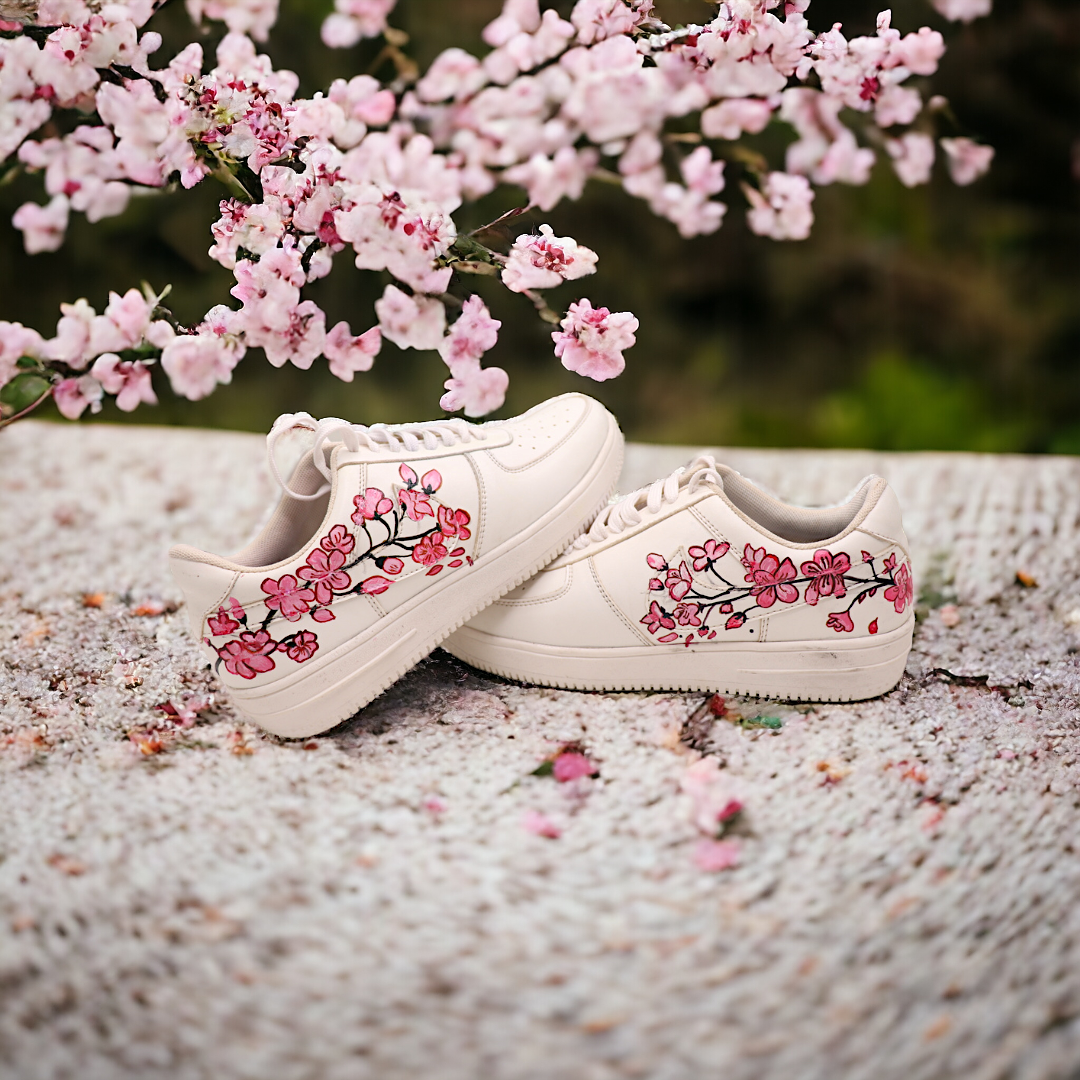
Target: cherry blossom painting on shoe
[
  {"x": 704, "y": 587},
  {"x": 374, "y": 171},
  {"x": 409, "y": 529}
]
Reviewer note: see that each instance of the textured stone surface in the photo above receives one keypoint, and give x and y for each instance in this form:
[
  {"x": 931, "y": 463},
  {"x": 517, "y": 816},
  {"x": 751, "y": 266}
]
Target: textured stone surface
[{"x": 201, "y": 901}]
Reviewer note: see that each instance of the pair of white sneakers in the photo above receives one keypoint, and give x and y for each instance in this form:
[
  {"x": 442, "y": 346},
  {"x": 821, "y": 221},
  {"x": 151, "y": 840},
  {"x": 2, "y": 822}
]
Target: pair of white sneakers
[{"x": 391, "y": 540}]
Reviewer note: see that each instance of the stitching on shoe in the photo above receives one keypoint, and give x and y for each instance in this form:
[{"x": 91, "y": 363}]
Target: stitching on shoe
[
  {"x": 481, "y": 492},
  {"x": 547, "y": 453},
  {"x": 615, "y": 607},
  {"x": 558, "y": 595}
]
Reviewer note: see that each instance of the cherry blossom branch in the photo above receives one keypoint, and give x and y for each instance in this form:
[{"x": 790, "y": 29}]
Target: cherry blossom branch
[{"x": 380, "y": 170}]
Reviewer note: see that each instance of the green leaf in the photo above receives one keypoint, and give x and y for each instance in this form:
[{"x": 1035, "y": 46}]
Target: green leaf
[
  {"x": 546, "y": 769},
  {"x": 27, "y": 363},
  {"x": 24, "y": 390}
]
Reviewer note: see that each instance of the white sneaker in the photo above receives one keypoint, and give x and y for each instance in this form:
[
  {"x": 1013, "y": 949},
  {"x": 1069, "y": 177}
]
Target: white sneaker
[
  {"x": 387, "y": 539},
  {"x": 705, "y": 582}
]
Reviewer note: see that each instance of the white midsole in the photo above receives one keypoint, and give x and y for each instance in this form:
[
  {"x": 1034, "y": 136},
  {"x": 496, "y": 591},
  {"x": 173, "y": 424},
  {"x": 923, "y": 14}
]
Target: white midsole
[
  {"x": 828, "y": 670},
  {"x": 331, "y": 688}
]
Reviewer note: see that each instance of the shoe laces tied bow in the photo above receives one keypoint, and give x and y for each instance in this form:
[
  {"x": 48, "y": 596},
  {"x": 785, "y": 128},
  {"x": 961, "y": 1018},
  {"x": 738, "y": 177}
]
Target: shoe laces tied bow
[
  {"x": 393, "y": 437},
  {"x": 629, "y": 510}
]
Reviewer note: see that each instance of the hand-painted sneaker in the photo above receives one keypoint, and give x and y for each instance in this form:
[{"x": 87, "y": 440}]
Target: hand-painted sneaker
[
  {"x": 388, "y": 538},
  {"x": 704, "y": 582}
]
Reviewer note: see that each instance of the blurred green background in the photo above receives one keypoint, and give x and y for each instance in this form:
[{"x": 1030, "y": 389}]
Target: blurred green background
[{"x": 937, "y": 318}]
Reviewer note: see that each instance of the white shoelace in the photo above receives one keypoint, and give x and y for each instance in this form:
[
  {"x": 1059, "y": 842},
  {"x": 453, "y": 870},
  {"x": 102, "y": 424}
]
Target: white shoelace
[
  {"x": 410, "y": 437},
  {"x": 629, "y": 510}
]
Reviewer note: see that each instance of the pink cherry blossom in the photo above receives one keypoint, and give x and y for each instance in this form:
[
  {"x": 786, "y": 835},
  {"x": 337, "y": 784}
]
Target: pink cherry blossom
[
  {"x": 288, "y": 596},
  {"x": 715, "y": 855},
  {"x": 781, "y": 209},
  {"x": 354, "y": 20},
  {"x": 471, "y": 335},
  {"x": 547, "y": 260},
  {"x": 128, "y": 380},
  {"x": 43, "y": 227},
  {"x": 324, "y": 571},
  {"x": 549, "y": 180},
  {"x": 348, "y": 354},
  {"x": 222, "y": 623},
  {"x": 249, "y": 654},
  {"x": 475, "y": 390},
  {"x": 592, "y": 340},
  {"x": 338, "y": 539},
  {"x": 732, "y": 117},
  {"x": 656, "y": 619},
  {"x": 254, "y": 17},
  {"x": 374, "y": 585},
  {"x": 540, "y": 825},
  {"x": 840, "y": 621},
  {"x": 770, "y": 578},
  {"x": 710, "y": 551},
  {"x": 430, "y": 549},
  {"x": 826, "y": 572},
  {"x": 572, "y": 765},
  {"x": 902, "y": 591},
  {"x": 370, "y": 505},
  {"x": 963, "y": 10},
  {"x": 967, "y": 159},
  {"x": 302, "y": 647},
  {"x": 595, "y": 20},
  {"x": 416, "y": 503},
  {"x": 912, "y": 157},
  {"x": 454, "y": 522},
  {"x": 410, "y": 322},
  {"x": 17, "y": 341},
  {"x": 73, "y": 395}
]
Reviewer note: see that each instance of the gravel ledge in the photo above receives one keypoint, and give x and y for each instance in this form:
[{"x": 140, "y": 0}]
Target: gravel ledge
[{"x": 183, "y": 897}]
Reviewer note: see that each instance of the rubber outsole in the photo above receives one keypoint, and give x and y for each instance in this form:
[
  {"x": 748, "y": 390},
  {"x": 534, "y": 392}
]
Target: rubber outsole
[
  {"x": 360, "y": 670},
  {"x": 832, "y": 670}
]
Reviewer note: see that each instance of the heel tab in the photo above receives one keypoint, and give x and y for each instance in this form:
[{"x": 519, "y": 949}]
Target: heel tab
[{"x": 204, "y": 582}]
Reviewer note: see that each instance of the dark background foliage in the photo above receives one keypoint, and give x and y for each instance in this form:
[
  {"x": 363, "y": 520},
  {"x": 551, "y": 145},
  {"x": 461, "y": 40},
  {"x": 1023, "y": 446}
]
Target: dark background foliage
[{"x": 938, "y": 318}]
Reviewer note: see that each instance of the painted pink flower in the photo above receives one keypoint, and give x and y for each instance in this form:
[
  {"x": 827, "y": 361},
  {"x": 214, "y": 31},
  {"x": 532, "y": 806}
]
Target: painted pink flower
[
  {"x": 454, "y": 522},
  {"x": 540, "y": 825},
  {"x": 249, "y": 654},
  {"x": 688, "y": 615},
  {"x": 656, "y": 585},
  {"x": 571, "y": 765},
  {"x": 322, "y": 614},
  {"x": 416, "y": 503},
  {"x": 338, "y": 539},
  {"x": 431, "y": 481},
  {"x": 222, "y": 624},
  {"x": 709, "y": 552},
  {"x": 657, "y": 619},
  {"x": 391, "y": 565},
  {"x": 303, "y": 646},
  {"x": 374, "y": 585},
  {"x": 826, "y": 572},
  {"x": 902, "y": 591},
  {"x": 592, "y": 340},
  {"x": 715, "y": 855},
  {"x": 372, "y": 504},
  {"x": 840, "y": 621},
  {"x": 430, "y": 549},
  {"x": 769, "y": 577},
  {"x": 323, "y": 570},
  {"x": 679, "y": 581},
  {"x": 287, "y": 596},
  {"x": 735, "y": 621}
]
